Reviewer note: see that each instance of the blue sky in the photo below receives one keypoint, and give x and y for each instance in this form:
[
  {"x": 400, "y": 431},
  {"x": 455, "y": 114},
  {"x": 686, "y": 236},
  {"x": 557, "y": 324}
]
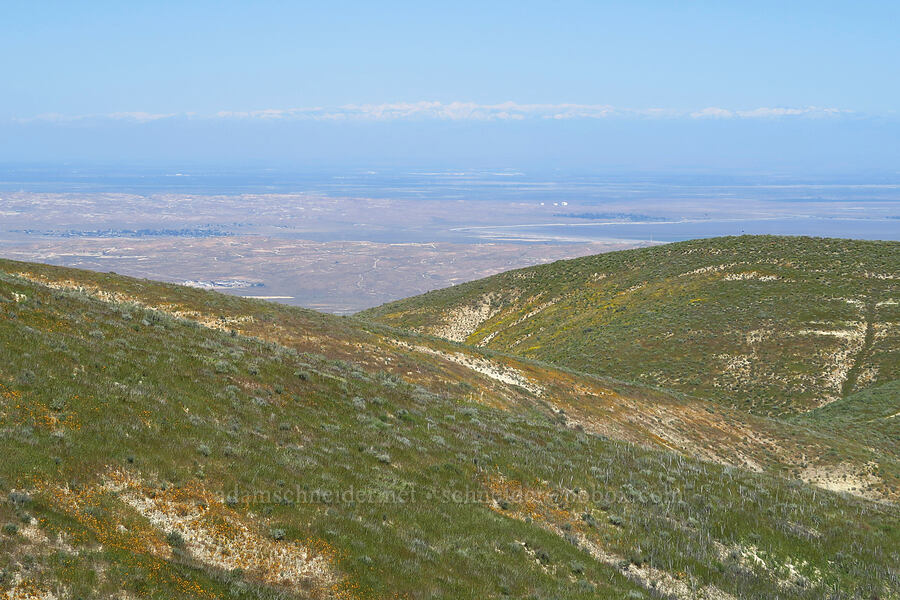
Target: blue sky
[{"x": 724, "y": 85}]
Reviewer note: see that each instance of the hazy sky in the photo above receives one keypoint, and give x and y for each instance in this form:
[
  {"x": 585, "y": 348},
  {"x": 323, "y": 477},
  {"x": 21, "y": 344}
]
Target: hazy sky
[{"x": 742, "y": 85}]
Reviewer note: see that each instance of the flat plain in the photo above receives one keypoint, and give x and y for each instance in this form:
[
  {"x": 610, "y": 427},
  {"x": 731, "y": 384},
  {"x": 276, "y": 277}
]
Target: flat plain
[{"x": 354, "y": 242}]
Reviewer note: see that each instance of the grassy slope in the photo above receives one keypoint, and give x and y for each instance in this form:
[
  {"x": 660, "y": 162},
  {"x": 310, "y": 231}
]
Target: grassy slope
[
  {"x": 772, "y": 325},
  {"x": 872, "y": 415},
  {"x": 115, "y": 419}
]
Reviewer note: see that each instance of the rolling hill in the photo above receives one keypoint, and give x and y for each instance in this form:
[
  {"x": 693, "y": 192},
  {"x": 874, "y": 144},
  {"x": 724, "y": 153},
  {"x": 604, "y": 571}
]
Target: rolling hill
[
  {"x": 770, "y": 325},
  {"x": 162, "y": 441}
]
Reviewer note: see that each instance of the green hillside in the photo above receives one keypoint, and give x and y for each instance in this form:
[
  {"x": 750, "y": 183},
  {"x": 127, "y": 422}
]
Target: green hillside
[
  {"x": 772, "y": 325},
  {"x": 167, "y": 442},
  {"x": 872, "y": 416}
]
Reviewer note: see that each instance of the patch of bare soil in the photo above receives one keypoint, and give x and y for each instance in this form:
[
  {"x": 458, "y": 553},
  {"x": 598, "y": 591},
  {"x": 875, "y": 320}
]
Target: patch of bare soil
[{"x": 461, "y": 322}]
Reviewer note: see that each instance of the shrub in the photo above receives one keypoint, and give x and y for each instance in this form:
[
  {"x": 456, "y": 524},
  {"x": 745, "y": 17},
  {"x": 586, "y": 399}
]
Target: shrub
[
  {"x": 637, "y": 558},
  {"x": 278, "y": 534},
  {"x": 95, "y": 511},
  {"x": 19, "y": 498},
  {"x": 586, "y": 586},
  {"x": 616, "y": 520},
  {"x": 10, "y": 529},
  {"x": 204, "y": 450},
  {"x": 175, "y": 539}
]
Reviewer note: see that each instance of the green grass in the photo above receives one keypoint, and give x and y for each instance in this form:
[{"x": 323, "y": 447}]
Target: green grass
[
  {"x": 771, "y": 325},
  {"x": 280, "y": 435},
  {"x": 872, "y": 415}
]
